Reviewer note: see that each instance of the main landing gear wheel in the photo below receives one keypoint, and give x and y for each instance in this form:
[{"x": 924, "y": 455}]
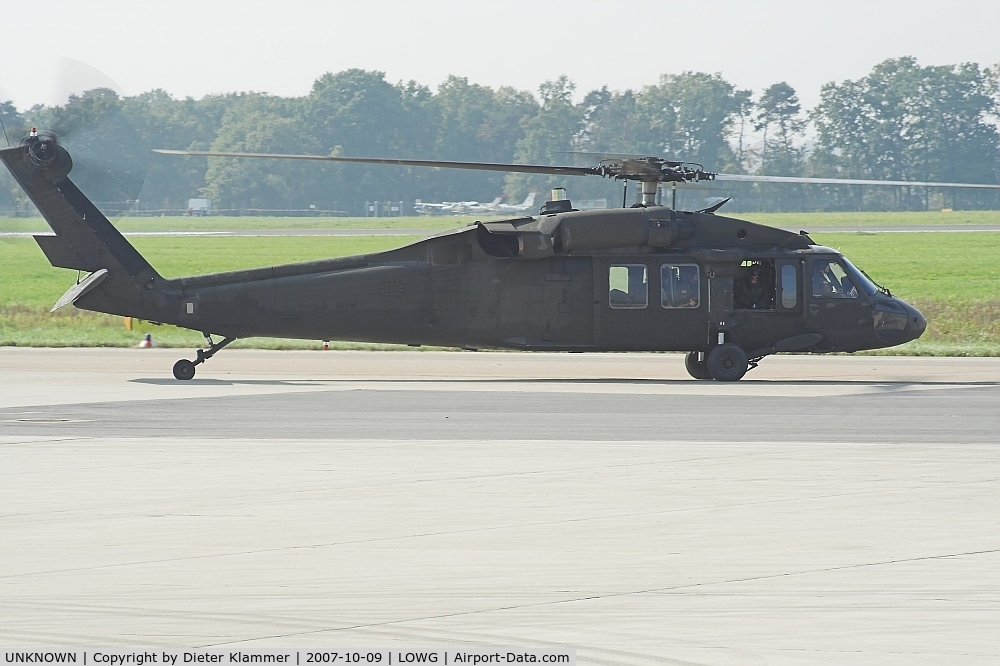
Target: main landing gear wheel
[
  {"x": 696, "y": 368},
  {"x": 183, "y": 370},
  {"x": 727, "y": 363}
]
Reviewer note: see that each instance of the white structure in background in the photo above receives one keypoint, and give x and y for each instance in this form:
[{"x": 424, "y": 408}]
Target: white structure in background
[
  {"x": 591, "y": 204},
  {"x": 199, "y": 207},
  {"x": 384, "y": 208}
]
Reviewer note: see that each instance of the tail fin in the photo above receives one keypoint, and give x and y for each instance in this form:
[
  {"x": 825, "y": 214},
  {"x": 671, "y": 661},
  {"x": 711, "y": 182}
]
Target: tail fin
[
  {"x": 495, "y": 202},
  {"x": 85, "y": 239},
  {"x": 529, "y": 200}
]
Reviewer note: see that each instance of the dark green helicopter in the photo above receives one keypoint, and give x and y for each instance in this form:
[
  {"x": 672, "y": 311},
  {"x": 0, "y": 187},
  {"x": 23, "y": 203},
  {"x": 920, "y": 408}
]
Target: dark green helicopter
[{"x": 645, "y": 278}]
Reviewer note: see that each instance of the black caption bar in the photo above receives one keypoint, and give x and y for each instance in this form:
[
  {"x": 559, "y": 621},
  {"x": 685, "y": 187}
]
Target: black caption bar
[{"x": 353, "y": 656}]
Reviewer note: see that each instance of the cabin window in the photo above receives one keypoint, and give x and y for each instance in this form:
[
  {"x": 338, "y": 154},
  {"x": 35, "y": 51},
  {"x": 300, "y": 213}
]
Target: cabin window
[
  {"x": 830, "y": 280},
  {"x": 628, "y": 287},
  {"x": 754, "y": 285},
  {"x": 789, "y": 289},
  {"x": 680, "y": 286}
]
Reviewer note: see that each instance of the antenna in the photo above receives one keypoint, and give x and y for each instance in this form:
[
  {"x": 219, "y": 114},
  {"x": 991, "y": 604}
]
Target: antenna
[{"x": 4, "y": 130}]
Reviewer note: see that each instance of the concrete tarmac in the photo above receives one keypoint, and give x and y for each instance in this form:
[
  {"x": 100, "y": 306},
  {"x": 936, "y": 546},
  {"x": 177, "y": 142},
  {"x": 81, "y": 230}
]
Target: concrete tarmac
[{"x": 823, "y": 510}]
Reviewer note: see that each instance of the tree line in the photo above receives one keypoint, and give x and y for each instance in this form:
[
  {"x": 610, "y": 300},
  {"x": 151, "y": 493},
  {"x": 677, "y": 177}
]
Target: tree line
[{"x": 903, "y": 121}]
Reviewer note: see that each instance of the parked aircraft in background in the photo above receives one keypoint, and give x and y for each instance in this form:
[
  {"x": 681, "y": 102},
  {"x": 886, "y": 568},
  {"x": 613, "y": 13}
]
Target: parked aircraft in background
[
  {"x": 476, "y": 207},
  {"x": 454, "y": 207},
  {"x": 426, "y": 208},
  {"x": 472, "y": 207},
  {"x": 528, "y": 202}
]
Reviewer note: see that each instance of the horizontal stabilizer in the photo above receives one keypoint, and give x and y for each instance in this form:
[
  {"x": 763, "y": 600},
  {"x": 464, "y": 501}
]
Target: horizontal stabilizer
[
  {"x": 62, "y": 255},
  {"x": 80, "y": 288}
]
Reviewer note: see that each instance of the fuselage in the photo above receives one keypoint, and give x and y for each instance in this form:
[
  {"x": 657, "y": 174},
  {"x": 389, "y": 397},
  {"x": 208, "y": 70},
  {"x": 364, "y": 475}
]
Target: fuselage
[{"x": 470, "y": 288}]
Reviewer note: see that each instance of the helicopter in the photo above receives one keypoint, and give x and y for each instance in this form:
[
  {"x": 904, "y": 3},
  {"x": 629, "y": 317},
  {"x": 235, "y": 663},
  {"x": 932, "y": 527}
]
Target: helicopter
[{"x": 725, "y": 291}]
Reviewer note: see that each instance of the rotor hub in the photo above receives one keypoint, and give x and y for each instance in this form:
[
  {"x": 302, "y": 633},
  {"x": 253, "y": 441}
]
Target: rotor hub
[
  {"x": 651, "y": 171},
  {"x": 46, "y": 156}
]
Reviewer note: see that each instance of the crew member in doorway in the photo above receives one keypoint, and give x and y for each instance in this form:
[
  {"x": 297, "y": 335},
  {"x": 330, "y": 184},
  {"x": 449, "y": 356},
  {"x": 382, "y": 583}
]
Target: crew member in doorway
[{"x": 750, "y": 291}]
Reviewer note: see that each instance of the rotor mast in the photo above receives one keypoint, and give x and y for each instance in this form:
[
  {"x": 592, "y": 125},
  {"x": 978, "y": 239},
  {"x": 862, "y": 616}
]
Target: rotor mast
[{"x": 649, "y": 188}]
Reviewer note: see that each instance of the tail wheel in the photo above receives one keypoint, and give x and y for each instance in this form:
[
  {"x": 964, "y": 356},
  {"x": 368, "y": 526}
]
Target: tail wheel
[
  {"x": 697, "y": 369},
  {"x": 184, "y": 370},
  {"x": 727, "y": 363}
]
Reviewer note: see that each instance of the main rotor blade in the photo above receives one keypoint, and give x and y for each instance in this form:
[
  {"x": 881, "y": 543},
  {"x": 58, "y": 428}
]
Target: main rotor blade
[
  {"x": 846, "y": 181},
  {"x": 444, "y": 164},
  {"x": 556, "y": 170}
]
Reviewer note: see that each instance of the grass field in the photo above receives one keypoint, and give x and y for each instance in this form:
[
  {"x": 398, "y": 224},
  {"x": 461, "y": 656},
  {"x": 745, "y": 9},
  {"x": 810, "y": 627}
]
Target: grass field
[
  {"x": 954, "y": 278},
  {"x": 441, "y": 223},
  {"x": 808, "y": 221}
]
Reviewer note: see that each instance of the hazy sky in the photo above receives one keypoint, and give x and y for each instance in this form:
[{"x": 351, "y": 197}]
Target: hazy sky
[{"x": 196, "y": 48}]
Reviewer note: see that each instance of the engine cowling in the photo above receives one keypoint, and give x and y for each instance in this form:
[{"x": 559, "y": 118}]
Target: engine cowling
[
  {"x": 548, "y": 235},
  {"x": 603, "y": 232}
]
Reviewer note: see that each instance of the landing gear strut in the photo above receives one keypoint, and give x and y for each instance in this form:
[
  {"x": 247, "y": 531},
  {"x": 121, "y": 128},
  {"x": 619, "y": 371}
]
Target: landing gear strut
[{"x": 184, "y": 369}]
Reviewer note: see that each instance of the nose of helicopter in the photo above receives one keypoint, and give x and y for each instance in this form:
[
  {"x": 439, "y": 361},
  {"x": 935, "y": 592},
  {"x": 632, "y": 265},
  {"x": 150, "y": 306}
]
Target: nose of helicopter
[
  {"x": 916, "y": 324},
  {"x": 897, "y": 321}
]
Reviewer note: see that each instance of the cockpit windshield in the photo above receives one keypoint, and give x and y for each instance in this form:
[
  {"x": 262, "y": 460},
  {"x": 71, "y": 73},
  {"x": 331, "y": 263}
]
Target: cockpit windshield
[{"x": 860, "y": 278}]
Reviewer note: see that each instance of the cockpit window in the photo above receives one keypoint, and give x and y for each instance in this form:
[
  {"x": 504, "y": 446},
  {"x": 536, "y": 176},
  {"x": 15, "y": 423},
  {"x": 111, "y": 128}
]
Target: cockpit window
[
  {"x": 628, "y": 287},
  {"x": 830, "y": 280},
  {"x": 859, "y": 278}
]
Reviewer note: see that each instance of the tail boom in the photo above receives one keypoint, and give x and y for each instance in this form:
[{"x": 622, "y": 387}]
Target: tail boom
[{"x": 84, "y": 239}]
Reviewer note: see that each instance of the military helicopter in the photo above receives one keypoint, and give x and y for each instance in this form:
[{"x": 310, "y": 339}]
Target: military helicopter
[{"x": 646, "y": 278}]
